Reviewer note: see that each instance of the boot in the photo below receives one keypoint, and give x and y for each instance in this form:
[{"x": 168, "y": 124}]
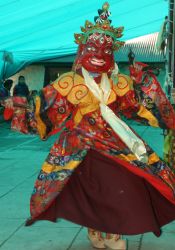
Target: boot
[
  {"x": 96, "y": 239},
  {"x": 114, "y": 241}
]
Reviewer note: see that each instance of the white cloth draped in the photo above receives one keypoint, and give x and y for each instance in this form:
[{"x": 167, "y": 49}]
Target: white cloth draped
[{"x": 102, "y": 93}]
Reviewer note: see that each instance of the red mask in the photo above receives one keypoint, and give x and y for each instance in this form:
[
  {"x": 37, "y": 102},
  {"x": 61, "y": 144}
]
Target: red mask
[{"x": 97, "y": 54}]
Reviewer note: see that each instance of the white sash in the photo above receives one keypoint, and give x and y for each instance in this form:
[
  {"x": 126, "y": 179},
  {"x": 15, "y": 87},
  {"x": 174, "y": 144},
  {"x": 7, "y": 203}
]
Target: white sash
[{"x": 102, "y": 93}]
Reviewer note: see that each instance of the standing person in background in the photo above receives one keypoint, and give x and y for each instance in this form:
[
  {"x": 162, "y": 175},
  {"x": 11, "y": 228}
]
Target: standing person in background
[
  {"x": 21, "y": 89},
  {"x": 4, "y": 94},
  {"x": 20, "y": 102},
  {"x": 5, "y": 88}
]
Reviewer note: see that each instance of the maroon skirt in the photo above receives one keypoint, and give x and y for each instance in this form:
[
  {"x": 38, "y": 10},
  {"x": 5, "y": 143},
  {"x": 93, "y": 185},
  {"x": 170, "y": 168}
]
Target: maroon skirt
[{"x": 107, "y": 197}]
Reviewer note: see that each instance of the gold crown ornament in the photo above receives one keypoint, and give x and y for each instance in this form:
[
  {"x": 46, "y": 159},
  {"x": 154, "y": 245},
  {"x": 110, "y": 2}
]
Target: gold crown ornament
[{"x": 102, "y": 25}]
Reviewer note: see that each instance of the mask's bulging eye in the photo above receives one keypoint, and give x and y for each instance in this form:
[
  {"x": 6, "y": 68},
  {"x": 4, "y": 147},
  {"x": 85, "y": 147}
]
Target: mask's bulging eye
[{"x": 108, "y": 51}]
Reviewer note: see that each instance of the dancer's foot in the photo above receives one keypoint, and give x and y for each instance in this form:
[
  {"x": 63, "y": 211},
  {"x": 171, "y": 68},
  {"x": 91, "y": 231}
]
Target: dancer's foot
[
  {"x": 113, "y": 241},
  {"x": 96, "y": 239},
  {"x": 29, "y": 222}
]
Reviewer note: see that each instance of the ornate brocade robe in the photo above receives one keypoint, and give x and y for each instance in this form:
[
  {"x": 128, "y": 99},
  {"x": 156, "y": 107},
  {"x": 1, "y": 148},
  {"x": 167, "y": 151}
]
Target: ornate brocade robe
[{"x": 67, "y": 106}]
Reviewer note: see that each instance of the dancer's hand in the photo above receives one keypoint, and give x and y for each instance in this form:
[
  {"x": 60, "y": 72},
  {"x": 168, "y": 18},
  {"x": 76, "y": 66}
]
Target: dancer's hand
[{"x": 144, "y": 158}]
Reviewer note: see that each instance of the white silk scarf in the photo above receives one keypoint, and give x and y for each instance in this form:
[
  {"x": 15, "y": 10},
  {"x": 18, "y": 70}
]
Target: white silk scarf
[{"x": 102, "y": 93}]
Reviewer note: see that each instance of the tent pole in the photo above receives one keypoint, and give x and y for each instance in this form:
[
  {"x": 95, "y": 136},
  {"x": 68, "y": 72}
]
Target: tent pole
[
  {"x": 171, "y": 42},
  {"x": 173, "y": 47}
]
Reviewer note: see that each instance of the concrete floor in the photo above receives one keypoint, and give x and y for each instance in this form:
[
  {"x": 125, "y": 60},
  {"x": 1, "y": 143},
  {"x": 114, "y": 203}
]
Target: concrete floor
[{"x": 21, "y": 157}]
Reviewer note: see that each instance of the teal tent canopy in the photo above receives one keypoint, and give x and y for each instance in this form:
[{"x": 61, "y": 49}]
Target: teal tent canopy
[{"x": 35, "y": 30}]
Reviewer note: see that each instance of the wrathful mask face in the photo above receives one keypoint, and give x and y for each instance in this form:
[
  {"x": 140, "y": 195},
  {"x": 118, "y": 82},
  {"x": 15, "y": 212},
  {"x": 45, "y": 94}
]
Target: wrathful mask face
[{"x": 97, "y": 54}]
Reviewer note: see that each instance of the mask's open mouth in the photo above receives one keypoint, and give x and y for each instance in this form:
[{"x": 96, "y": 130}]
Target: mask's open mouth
[{"x": 97, "y": 62}]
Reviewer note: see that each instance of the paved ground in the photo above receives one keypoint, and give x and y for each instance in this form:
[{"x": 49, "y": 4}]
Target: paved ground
[{"x": 21, "y": 157}]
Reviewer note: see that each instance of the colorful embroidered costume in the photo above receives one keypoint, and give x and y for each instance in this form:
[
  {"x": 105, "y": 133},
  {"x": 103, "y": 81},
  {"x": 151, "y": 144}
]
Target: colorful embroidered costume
[{"x": 86, "y": 106}]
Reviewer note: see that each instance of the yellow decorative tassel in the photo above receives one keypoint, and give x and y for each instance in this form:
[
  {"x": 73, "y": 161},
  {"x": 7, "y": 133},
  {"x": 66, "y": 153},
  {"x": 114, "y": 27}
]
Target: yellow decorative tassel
[{"x": 41, "y": 127}]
